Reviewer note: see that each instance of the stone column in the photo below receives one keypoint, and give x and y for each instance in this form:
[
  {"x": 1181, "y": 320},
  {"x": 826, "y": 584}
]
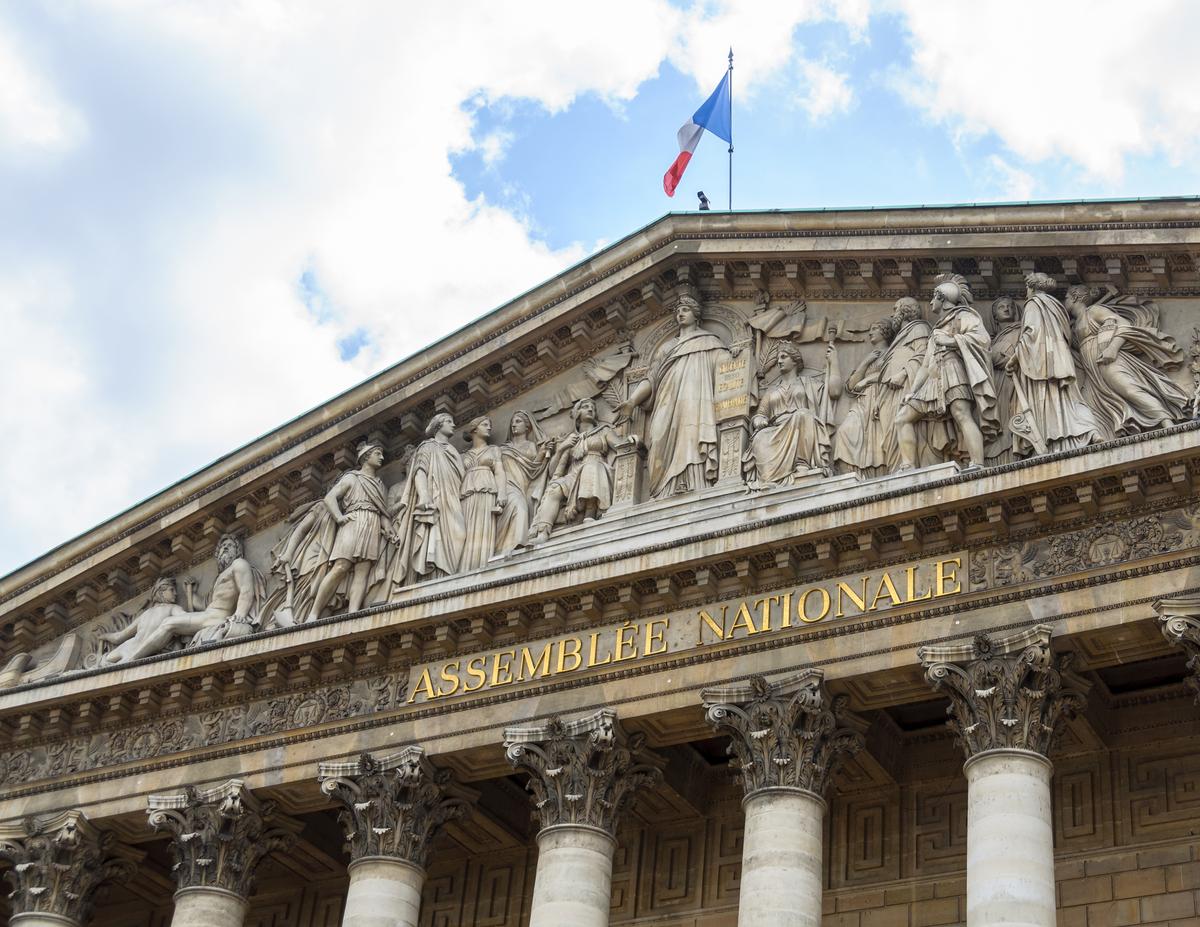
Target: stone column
[
  {"x": 220, "y": 835},
  {"x": 787, "y": 738},
  {"x": 584, "y": 775},
  {"x": 58, "y": 864},
  {"x": 392, "y": 809},
  {"x": 1008, "y": 699},
  {"x": 1180, "y": 620}
]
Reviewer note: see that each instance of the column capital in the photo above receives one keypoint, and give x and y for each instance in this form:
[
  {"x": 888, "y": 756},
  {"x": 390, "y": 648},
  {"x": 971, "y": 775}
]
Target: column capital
[
  {"x": 220, "y": 834},
  {"x": 393, "y": 806},
  {"x": 587, "y": 771},
  {"x": 1006, "y": 693},
  {"x": 59, "y": 862},
  {"x": 790, "y": 733},
  {"x": 1179, "y": 619}
]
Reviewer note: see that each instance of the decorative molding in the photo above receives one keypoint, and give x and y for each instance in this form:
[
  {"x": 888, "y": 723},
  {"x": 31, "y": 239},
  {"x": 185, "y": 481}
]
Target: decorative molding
[
  {"x": 1008, "y": 693},
  {"x": 790, "y": 733},
  {"x": 59, "y": 863},
  {"x": 1179, "y": 619},
  {"x": 586, "y": 771},
  {"x": 220, "y": 834},
  {"x": 393, "y": 806}
]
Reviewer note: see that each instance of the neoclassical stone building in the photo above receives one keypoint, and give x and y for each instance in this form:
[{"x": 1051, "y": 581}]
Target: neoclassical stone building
[{"x": 774, "y": 568}]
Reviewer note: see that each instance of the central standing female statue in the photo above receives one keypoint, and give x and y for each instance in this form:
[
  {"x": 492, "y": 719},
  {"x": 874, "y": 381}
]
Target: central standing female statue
[{"x": 681, "y": 435}]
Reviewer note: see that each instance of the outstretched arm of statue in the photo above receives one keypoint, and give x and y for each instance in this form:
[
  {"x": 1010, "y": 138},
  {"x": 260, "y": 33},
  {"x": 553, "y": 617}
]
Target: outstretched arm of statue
[
  {"x": 833, "y": 372},
  {"x": 333, "y": 501},
  {"x": 501, "y": 480},
  {"x": 640, "y": 395},
  {"x": 121, "y": 636}
]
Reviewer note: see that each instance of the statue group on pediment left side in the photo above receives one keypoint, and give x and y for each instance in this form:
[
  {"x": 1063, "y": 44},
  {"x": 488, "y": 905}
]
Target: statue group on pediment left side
[{"x": 1040, "y": 376}]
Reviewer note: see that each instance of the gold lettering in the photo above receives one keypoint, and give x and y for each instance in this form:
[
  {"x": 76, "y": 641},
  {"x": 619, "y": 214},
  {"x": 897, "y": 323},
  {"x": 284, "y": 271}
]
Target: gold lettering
[
  {"x": 656, "y": 637},
  {"x": 424, "y": 684},
  {"x": 859, "y": 600},
  {"x": 622, "y": 643},
  {"x": 575, "y": 653},
  {"x": 886, "y": 586},
  {"x": 786, "y": 610},
  {"x": 592, "y": 661},
  {"x": 449, "y": 677},
  {"x": 530, "y": 669},
  {"x": 743, "y": 619},
  {"x": 802, "y": 605},
  {"x": 475, "y": 670},
  {"x": 945, "y": 576},
  {"x": 500, "y": 664},
  {"x": 764, "y": 607},
  {"x": 910, "y": 575},
  {"x": 717, "y": 629},
  {"x": 732, "y": 365}
]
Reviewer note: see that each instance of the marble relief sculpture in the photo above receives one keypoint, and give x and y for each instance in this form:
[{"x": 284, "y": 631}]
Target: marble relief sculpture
[
  {"x": 162, "y": 604},
  {"x": 233, "y": 610},
  {"x": 902, "y": 362},
  {"x": 1124, "y": 360},
  {"x": 1006, "y": 329},
  {"x": 581, "y": 487},
  {"x": 430, "y": 528},
  {"x": 525, "y": 457},
  {"x": 484, "y": 493},
  {"x": 793, "y": 425},
  {"x": 1048, "y": 412},
  {"x": 953, "y": 387},
  {"x": 681, "y": 433},
  {"x": 864, "y": 435}
]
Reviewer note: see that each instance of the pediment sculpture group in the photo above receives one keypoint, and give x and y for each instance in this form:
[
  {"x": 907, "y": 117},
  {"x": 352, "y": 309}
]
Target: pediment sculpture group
[{"x": 1045, "y": 376}]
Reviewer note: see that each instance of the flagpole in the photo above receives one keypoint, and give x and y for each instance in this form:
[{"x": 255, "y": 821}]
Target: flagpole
[{"x": 731, "y": 128}]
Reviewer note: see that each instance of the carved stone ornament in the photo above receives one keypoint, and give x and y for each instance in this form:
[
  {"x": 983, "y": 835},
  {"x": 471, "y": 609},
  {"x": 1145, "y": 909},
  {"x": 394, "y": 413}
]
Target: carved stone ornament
[
  {"x": 393, "y": 806},
  {"x": 1180, "y": 620},
  {"x": 586, "y": 771},
  {"x": 220, "y": 835},
  {"x": 790, "y": 733},
  {"x": 1010, "y": 693},
  {"x": 58, "y": 864}
]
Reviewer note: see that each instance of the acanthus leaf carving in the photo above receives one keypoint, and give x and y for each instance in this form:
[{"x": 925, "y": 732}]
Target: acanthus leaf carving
[
  {"x": 393, "y": 806},
  {"x": 219, "y": 835},
  {"x": 587, "y": 771},
  {"x": 60, "y": 863},
  {"x": 1010, "y": 693},
  {"x": 786, "y": 734},
  {"x": 1179, "y": 619}
]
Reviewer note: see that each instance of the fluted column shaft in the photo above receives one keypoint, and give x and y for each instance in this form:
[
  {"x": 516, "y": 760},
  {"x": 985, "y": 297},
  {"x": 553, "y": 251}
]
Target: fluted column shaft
[
  {"x": 584, "y": 775},
  {"x": 1008, "y": 701},
  {"x": 787, "y": 738},
  {"x": 392, "y": 808}
]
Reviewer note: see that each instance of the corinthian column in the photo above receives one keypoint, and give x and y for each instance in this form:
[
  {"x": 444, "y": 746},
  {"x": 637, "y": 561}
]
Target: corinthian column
[
  {"x": 786, "y": 738},
  {"x": 1008, "y": 699},
  {"x": 1180, "y": 619},
  {"x": 220, "y": 835},
  {"x": 58, "y": 864},
  {"x": 392, "y": 810},
  {"x": 584, "y": 775}
]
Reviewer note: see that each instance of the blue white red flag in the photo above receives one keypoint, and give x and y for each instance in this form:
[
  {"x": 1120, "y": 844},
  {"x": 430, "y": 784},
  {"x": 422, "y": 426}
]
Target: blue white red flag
[{"x": 716, "y": 115}]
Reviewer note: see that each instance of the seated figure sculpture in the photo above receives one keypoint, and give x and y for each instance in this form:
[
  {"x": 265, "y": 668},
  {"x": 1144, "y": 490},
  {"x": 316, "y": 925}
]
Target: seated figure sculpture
[
  {"x": 582, "y": 478},
  {"x": 162, "y": 604},
  {"x": 233, "y": 611}
]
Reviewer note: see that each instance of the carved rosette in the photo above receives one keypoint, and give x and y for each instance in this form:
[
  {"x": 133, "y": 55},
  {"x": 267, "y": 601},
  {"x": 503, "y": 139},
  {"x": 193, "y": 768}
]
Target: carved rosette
[
  {"x": 393, "y": 806},
  {"x": 786, "y": 734},
  {"x": 220, "y": 835},
  {"x": 1180, "y": 622},
  {"x": 586, "y": 771},
  {"x": 1012, "y": 693},
  {"x": 58, "y": 865}
]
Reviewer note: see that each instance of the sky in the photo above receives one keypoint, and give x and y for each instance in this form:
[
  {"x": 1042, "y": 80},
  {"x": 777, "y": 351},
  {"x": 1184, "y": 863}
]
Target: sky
[{"x": 215, "y": 216}]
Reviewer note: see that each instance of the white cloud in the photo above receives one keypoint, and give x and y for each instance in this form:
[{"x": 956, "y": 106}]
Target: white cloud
[
  {"x": 1093, "y": 81},
  {"x": 267, "y": 181},
  {"x": 33, "y": 119},
  {"x": 1012, "y": 182},
  {"x": 824, "y": 91}
]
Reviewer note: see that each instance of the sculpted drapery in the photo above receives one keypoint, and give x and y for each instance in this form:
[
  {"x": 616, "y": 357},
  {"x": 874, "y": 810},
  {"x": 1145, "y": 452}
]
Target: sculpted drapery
[
  {"x": 1006, "y": 330},
  {"x": 525, "y": 458},
  {"x": 862, "y": 439}
]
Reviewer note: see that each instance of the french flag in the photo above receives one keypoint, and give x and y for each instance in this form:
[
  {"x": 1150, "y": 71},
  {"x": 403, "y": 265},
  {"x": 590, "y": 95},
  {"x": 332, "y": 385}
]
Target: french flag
[{"x": 716, "y": 115}]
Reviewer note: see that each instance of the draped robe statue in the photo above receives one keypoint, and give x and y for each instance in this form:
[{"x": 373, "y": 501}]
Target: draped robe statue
[
  {"x": 862, "y": 438},
  {"x": 681, "y": 434},
  {"x": 1006, "y": 323},
  {"x": 525, "y": 457}
]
